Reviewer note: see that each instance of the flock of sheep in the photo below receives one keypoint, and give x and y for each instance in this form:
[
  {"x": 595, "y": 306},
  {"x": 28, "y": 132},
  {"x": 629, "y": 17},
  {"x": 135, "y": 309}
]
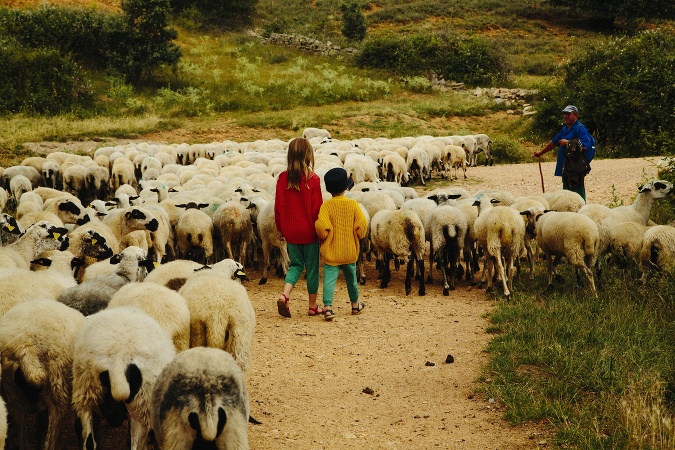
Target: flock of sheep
[{"x": 120, "y": 272}]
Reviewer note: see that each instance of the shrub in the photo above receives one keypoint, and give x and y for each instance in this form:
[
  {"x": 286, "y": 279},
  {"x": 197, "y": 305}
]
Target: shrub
[
  {"x": 471, "y": 60},
  {"x": 625, "y": 91},
  {"x": 507, "y": 151},
  {"x": 40, "y": 81},
  {"x": 353, "y": 22},
  {"x": 218, "y": 12}
]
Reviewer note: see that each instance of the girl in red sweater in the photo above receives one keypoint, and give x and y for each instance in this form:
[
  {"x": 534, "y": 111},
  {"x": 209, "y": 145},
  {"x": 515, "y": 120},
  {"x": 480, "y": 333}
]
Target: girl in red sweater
[{"x": 296, "y": 208}]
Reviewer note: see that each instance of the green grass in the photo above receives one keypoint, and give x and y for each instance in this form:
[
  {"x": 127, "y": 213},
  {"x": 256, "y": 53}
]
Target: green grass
[{"x": 600, "y": 370}]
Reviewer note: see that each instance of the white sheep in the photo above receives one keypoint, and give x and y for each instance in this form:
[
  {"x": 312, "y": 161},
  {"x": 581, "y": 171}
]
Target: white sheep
[
  {"x": 164, "y": 305},
  {"x": 568, "y": 234},
  {"x": 626, "y": 242},
  {"x": 658, "y": 251},
  {"x": 500, "y": 231},
  {"x": 396, "y": 169},
  {"x": 123, "y": 221},
  {"x": 51, "y": 175},
  {"x": 29, "y": 172},
  {"x": 399, "y": 234},
  {"x": 419, "y": 165},
  {"x": 36, "y": 343},
  {"x": 269, "y": 237},
  {"x": 360, "y": 168},
  {"x": 445, "y": 228},
  {"x": 96, "y": 183},
  {"x": 564, "y": 200},
  {"x": 455, "y": 157},
  {"x": 221, "y": 315},
  {"x": 118, "y": 355},
  {"x": 194, "y": 233},
  {"x": 483, "y": 145},
  {"x": 40, "y": 237},
  {"x": 309, "y": 133},
  {"x": 18, "y": 186},
  {"x": 175, "y": 273},
  {"x": 200, "y": 400}
]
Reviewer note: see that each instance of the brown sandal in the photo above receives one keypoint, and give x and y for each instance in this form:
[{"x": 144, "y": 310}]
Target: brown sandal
[
  {"x": 328, "y": 314},
  {"x": 282, "y": 306}
]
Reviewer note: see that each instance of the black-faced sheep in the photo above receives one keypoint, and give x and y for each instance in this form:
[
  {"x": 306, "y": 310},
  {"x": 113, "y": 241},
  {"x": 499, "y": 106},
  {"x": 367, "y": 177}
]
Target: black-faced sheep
[
  {"x": 118, "y": 355},
  {"x": 40, "y": 237},
  {"x": 174, "y": 274},
  {"x": 200, "y": 400},
  {"x": 36, "y": 343}
]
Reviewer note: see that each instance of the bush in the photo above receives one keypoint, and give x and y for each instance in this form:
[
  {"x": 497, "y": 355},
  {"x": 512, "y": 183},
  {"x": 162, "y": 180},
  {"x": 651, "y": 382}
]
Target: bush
[
  {"x": 471, "y": 60},
  {"x": 40, "y": 81},
  {"x": 217, "y": 12},
  {"x": 353, "y": 22},
  {"x": 625, "y": 92},
  {"x": 506, "y": 151}
]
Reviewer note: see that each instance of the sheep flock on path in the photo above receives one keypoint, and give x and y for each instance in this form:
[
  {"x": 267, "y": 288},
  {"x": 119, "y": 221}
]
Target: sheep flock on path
[{"x": 126, "y": 267}]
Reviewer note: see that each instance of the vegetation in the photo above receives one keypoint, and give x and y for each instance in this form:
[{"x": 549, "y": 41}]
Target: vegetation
[
  {"x": 629, "y": 11},
  {"x": 353, "y": 22}
]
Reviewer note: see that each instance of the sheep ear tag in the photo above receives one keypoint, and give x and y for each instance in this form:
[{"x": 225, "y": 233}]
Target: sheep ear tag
[
  {"x": 156, "y": 264},
  {"x": 93, "y": 242},
  {"x": 57, "y": 236},
  {"x": 10, "y": 227}
]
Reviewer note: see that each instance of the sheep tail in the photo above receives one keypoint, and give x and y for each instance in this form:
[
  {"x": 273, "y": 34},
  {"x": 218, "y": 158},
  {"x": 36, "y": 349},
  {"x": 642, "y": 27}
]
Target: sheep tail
[
  {"x": 32, "y": 370},
  {"x": 119, "y": 385}
]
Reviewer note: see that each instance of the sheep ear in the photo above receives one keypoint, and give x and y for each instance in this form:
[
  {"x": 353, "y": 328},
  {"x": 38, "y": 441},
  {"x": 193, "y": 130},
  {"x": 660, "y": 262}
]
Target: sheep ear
[
  {"x": 454, "y": 196},
  {"x": 243, "y": 199},
  {"x": 76, "y": 262},
  {"x": 182, "y": 205},
  {"x": 251, "y": 205},
  {"x": 494, "y": 200},
  {"x": 116, "y": 259},
  {"x": 127, "y": 215},
  {"x": 46, "y": 262},
  {"x": 659, "y": 185},
  {"x": 204, "y": 205},
  {"x": 526, "y": 213},
  {"x": 433, "y": 197}
]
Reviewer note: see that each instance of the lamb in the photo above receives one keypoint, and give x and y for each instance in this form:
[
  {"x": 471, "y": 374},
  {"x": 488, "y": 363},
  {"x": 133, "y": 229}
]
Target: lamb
[
  {"x": 445, "y": 228},
  {"x": 269, "y": 237},
  {"x": 164, "y": 305},
  {"x": 96, "y": 290},
  {"x": 568, "y": 234},
  {"x": 174, "y": 274},
  {"x": 200, "y": 400},
  {"x": 38, "y": 238},
  {"x": 399, "y": 234},
  {"x": 564, "y": 200},
  {"x": 500, "y": 231},
  {"x": 37, "y": 362},
  {"x": 118, "y": 355},
  {"x": 194, "y": 233},
  {"x": 309, "y": 133},
  {"x": 361, "y": 168},
  {"x": 658, "y": 251},
  {"x": 221, "y": 316}
]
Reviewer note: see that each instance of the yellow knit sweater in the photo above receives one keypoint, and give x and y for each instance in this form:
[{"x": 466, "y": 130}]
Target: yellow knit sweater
[{"x": 340, "y": 225}]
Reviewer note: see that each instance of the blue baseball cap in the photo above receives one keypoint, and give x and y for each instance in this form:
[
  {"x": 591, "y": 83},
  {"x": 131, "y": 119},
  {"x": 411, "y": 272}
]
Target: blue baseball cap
[{"x": 571, "y": 108}]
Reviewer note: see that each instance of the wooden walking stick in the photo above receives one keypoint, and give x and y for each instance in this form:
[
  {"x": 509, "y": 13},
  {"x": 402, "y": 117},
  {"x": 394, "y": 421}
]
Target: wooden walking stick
[{"x": 541, "y": 175}]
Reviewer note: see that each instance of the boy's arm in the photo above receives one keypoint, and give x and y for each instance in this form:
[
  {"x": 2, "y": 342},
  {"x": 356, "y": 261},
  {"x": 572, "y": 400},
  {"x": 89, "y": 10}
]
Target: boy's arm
[
  {"x": 360, "y": 223},
  {"x": 322, "y": 225}
]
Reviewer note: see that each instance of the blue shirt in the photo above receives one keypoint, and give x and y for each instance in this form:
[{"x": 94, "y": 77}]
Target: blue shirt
[{"x": 579, "y": 131}]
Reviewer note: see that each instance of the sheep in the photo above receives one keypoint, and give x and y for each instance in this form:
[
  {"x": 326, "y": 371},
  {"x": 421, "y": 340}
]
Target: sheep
[
  {"x": 30, "y": 203},
  {"x": 164, "y": 305},
  {"x": 658, "y": 251},
  {"x": 200, "y": 400},
  {"x": 51, "y": 175},
  {"x": 118, "y": 355},
  {"x": 500, "y": 231},
  {"x": 221, "y": 315},
  {"x": 233, "y": 223},
  {"x": 399, "y": 234},
  {"x": 564, "y": 200},
  {"x": 445, "y": 228},
  {"x": 483, "y": 145},
  {"x": 19, "y": 185},
  {"x": 47, "y": 193},
  {"x": 194, "y": 232},
  {"x": 3, "y": 197},
  {"x": 3, "y": 423},
  {"x": 174, "y": 274},
  {"x": 74, "y": 181},
  {"x": 126, "y": 220},
  {"x": 96, "y": 183},
  {"x": 419, "y": 165},
  {"x": 58, "y": 211},
  {"x": 504, "y": 198},
  {"x": 27, "y": 171},
  {"x": 309, "y": 133},
  {"x": 96, "y": 290},
  {"x": 375, "y": 201},
  {"x": 455, "y": 158},
  {"x": 34, "y": 161},
  {"x": 269, "y": 237},
  {"x": 626, "y": 242},
  {"x": 122, "y": 172},
  {"x": 471, "y": 148},
  {"x": 39, "y": 237},
  {"x": 568, "y": 234},
  {"x": 361, "y": 168},
  {"x": 396, "y": 169},
  {"x": 10, "y": 229},
  {"x": 36, "y": 343}
]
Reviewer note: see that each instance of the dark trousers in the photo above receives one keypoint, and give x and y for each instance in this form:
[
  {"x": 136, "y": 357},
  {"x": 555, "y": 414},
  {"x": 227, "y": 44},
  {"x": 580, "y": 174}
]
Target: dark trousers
[{"x": 579, "y": 188}]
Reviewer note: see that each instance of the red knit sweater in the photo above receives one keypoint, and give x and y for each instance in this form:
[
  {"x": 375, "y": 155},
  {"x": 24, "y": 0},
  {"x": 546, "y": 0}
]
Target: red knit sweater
[{"x": 296, "y": 211}]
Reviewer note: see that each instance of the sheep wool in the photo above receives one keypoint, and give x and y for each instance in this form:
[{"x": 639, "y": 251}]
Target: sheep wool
[{"x": 201, "y": 399}]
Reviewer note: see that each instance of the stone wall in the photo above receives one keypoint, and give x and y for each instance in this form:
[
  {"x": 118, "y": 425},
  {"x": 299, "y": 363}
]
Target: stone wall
[{"x": 304, "y": 43}]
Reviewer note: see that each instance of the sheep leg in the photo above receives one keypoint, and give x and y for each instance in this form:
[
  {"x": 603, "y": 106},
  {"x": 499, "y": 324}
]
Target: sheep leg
[
  {"x": 444, "y": 269},
  {"x": 420, "y": 265},
  {"x": 410, "y": 271},
  {"x": 54, "y": 422},
  {"x": 87, "y": 422},
  {"x": 386, "y": 273},
  {"x": 139, "y": 434},
  {"x": 430, "y": 277},
  {"x": 242, "y": 253},
  {"x": 502, "y": 271},
  {"x": 266, "y": 262}
]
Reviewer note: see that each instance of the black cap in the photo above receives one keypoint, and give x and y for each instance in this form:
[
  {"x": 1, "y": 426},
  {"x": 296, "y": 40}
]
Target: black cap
[{"x": 336, "y": 180}]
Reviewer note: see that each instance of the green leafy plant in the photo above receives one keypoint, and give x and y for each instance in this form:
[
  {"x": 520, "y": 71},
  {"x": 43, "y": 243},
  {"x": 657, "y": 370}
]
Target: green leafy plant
[{"x": 354, "y": 24}]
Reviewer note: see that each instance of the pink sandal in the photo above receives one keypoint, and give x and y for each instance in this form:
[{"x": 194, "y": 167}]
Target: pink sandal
[
  {"x": 316, "y": 311},
  {"x": 282, "y": 306}
]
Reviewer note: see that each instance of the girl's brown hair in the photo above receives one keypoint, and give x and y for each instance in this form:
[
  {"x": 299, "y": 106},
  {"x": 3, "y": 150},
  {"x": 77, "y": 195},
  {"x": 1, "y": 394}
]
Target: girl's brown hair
[{"x": 300, "y": 161}]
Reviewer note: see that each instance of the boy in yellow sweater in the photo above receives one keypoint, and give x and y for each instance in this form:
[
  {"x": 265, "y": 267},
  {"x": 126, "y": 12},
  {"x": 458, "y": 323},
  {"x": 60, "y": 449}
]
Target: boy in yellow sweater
[{"x": 340, "y": 225}]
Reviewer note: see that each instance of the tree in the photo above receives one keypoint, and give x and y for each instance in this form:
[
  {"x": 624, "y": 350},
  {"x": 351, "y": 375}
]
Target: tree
[
  {"x": 145, "y": 42},
  {"x": 354, "y": 24},
  {"x": 627, "y": 10},
  {"x": 218, "y": 12}
]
